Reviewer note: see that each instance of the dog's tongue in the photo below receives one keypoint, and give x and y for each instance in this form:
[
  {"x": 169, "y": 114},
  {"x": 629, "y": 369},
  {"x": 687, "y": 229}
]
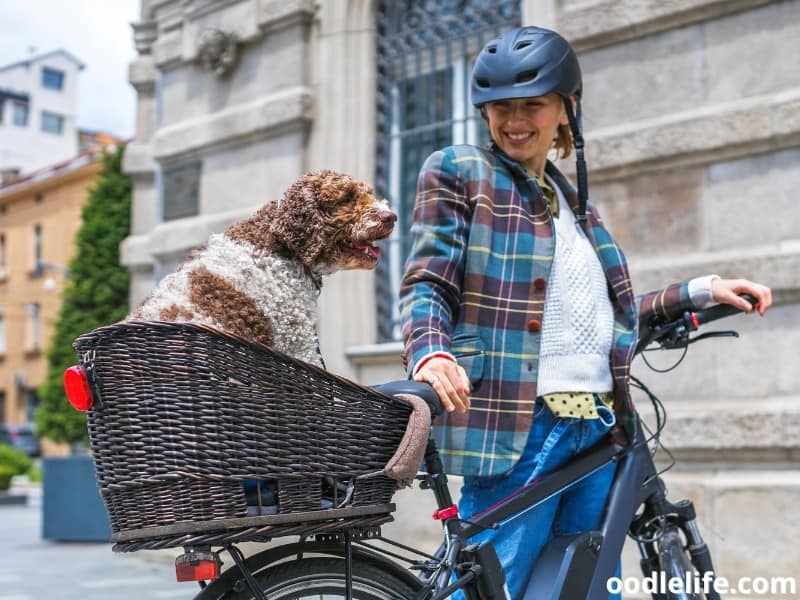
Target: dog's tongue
[{"x": 373, "y": 251}]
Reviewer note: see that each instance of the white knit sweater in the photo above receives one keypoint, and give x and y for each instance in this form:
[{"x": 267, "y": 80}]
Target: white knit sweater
[{"x": 578, "y": 321}]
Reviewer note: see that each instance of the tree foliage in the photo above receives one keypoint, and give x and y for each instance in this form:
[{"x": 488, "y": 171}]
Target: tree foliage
[{"x": 95, "y": 294}]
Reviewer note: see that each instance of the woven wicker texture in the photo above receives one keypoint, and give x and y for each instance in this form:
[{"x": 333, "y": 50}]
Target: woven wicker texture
[{"x": 187, "y": 413}]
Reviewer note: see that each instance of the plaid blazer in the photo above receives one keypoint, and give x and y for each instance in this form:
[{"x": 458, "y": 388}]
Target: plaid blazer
[{"x": 475, "y": 284}]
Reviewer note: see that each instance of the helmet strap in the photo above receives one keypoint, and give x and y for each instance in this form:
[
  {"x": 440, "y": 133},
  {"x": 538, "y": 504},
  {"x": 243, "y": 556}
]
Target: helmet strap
[{"x": 580, "y": 163}]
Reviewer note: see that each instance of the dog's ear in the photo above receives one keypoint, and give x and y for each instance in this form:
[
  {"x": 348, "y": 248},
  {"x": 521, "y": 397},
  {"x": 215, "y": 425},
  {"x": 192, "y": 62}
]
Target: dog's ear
[{"x": 296, "y": 225}]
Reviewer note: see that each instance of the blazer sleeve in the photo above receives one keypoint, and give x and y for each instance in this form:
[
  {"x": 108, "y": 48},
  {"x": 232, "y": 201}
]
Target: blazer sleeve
[
  {"x": 430, "y": 291},
  {"x": 668, "y": 303}
]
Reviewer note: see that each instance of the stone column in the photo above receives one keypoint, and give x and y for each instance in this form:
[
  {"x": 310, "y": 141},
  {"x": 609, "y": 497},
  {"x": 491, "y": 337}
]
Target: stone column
[{"x": 138, "y": 162}]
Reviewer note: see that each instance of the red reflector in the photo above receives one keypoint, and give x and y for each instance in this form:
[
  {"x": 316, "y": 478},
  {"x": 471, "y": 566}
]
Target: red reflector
[
  {"x": 446, "y": 513},
  {"x": 197, "y": 566},
  {"x": 695, "y": 321},
  {"x": 76, "y": 385}
]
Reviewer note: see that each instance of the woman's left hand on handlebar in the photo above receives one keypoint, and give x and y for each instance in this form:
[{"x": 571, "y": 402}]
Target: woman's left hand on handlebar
[{"x": 726, "y": 291}]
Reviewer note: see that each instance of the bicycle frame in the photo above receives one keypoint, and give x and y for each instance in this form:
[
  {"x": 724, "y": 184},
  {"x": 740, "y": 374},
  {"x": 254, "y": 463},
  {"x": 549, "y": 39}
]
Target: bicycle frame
[{"x": 636, "y": 483}]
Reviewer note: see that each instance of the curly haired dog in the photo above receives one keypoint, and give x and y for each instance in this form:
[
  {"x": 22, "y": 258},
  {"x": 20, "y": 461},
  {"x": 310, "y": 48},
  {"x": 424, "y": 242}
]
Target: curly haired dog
[{"x": 260, "y": 278}]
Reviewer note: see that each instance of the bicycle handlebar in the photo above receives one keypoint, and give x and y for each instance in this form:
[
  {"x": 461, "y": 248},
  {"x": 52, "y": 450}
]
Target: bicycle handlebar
[
  {"x": 701, "y": 317},
  {"x": 675, "y": 333}
]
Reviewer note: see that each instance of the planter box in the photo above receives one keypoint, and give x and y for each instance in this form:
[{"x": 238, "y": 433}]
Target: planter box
[{"x": 72, "y": 508}]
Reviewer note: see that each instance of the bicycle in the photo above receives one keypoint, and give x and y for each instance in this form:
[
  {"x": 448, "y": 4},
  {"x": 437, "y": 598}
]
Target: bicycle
[
  {"x": 349, "y": 564},
  {"x": 183, "y": 418}
]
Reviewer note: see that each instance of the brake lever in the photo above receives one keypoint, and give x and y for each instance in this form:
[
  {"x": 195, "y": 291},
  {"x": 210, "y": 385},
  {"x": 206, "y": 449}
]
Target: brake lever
[{"x": 711, "y": 334}]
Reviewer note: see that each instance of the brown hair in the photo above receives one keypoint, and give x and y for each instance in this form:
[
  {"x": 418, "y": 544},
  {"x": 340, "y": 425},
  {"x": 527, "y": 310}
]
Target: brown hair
[{"x": 563, "y": 142}]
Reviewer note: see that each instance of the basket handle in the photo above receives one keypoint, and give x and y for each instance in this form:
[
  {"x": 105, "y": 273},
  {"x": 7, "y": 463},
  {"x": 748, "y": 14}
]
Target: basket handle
[{"x": 405, "y": 462}]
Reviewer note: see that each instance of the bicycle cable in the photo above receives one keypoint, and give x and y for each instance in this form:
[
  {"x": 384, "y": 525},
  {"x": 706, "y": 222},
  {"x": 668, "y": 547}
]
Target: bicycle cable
[
  {"x": 661, "y": 422},
  {"x": 668, "y": 369}
]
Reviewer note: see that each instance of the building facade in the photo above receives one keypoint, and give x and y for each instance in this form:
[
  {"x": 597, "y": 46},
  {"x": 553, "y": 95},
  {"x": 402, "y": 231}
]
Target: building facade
[
  {"x": 38, "y": 107},
  {"x": 39, "y": 217},
  {"x": 693, "y": 146}
]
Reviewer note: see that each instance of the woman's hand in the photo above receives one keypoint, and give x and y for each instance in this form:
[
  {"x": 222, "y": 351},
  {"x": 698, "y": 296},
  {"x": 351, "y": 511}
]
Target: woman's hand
[
  {"x": 449, "y": 381},
  {"x": 726, "y": 291}
]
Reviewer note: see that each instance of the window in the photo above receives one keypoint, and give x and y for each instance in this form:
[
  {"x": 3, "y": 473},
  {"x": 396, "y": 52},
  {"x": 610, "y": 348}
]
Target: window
[
  {"x": 37, "y": 249},
  {"x": 19, "y": 115},
  {"x": 424, "y": 57},
  {"x": 33, "y": 313},
  {"x": 31, "y": 402},
  {"x": 52, "y": 123},
  {"x": 52, "y": 79},
  {"x": 2, "y": 110},
  {"x": 180, "y": 191},
  {"x": 3, "y": 272}
]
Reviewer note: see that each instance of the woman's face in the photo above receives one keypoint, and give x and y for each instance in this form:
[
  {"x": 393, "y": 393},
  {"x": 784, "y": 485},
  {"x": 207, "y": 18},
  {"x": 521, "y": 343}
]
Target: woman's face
[{"x": 524, "y": 128}]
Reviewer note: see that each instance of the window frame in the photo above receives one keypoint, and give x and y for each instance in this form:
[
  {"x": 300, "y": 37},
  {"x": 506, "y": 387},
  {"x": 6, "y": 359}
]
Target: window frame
[
  {"x": 33, "y": 327},
  {"x": 37, "y": 244},
  {"x": 3, "y": 258},
  {"x": 20, "y": 107},
  {"x": 51, "y": 71},
  {"x": 60, "y": 119}
]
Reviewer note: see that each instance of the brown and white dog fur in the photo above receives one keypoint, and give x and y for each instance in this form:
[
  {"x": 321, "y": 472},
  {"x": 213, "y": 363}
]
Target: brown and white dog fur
[{"x": 260, "y": 278}]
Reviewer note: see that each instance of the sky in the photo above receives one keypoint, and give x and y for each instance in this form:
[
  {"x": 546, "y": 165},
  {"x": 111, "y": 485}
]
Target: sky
[{"x": 97, "y": 32}]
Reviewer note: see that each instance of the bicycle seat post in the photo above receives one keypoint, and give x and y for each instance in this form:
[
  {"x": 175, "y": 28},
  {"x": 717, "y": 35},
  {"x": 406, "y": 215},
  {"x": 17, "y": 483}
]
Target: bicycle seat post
[{"x": 436, "y": 478}]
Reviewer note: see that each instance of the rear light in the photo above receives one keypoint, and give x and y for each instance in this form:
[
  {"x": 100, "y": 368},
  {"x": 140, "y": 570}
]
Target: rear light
[
  {"x": 446, "y": 513},
  {"x": 197, "y": 566},
  {"x": 76, "y": 385}
]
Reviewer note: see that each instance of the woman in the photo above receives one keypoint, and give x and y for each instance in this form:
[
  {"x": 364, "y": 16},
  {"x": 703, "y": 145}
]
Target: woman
[{"x": 517, "y": 304}]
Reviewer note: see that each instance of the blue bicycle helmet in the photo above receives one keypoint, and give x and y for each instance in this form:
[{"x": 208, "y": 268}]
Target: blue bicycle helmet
[
  {"x": 523, "y": 63},
  {"x": 528, "y": 62}
]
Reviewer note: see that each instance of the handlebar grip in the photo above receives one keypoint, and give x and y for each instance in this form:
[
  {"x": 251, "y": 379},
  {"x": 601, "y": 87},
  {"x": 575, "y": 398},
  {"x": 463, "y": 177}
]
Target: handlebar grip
[
  {"x": 415, "y": 388},
  {"x": 720, "y": 310}
]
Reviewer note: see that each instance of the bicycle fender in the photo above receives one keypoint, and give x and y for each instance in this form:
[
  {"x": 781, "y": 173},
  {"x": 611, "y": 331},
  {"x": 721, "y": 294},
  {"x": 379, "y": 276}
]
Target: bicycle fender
[{"x": 218, "y": 588}]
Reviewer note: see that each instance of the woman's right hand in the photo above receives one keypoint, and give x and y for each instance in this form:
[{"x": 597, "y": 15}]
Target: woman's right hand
[{"x": 449, "y": 381}]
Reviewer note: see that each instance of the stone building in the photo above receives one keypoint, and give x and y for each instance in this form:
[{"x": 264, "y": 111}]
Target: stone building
[{"x": 693, "y": 146}]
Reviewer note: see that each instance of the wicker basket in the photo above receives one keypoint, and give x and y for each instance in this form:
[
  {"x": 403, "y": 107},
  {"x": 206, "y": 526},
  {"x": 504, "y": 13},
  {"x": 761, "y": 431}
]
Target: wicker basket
[{"x": 186, "y": 414}]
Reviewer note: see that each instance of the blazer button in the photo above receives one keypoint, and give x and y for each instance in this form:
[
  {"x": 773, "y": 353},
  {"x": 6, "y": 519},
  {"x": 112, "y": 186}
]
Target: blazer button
[
  {"x": 539, "y": 283},
  {"x": 534, "y": 325}
]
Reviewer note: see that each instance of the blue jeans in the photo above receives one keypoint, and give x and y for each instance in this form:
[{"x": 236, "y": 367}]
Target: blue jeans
[{"x": 552, "y": 442}]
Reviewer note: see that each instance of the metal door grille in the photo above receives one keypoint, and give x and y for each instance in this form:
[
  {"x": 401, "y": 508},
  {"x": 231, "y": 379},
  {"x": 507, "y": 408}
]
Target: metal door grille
[{"x": 425, "y": 50}]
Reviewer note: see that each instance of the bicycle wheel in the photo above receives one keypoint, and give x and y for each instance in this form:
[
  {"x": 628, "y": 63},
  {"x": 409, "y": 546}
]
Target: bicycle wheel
[
  {"x": 323, "y": 578},
  {"x": 676, "y": 565}
]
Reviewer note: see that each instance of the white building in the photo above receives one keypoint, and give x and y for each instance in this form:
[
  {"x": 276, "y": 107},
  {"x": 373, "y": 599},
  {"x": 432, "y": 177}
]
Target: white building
[{"x": 38, "y": 109}]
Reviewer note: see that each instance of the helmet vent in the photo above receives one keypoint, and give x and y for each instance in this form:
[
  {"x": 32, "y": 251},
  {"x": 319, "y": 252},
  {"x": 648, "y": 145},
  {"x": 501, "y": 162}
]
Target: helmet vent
[
  {"x": 484, "y": 83},
  {"x": 522, "y": 44},
  {"x": 492, "y": 49},
  {"x": 526, "y": 76}
]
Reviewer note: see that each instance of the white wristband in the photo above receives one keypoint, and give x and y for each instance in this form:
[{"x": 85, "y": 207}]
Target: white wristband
[{"x": 700, "y": 291}]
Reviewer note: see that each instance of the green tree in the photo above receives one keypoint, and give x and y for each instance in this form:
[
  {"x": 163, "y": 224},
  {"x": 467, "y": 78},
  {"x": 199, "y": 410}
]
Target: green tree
[{"x": 95, "y": 294}]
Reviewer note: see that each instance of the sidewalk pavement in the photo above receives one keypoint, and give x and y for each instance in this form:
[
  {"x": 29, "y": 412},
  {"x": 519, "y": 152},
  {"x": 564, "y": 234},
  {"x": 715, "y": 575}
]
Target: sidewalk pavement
[{"x": 36, "y": 569}]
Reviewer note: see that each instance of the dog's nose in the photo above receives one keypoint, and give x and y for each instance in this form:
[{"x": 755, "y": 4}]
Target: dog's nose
[{"x": 387, "y": 216}]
